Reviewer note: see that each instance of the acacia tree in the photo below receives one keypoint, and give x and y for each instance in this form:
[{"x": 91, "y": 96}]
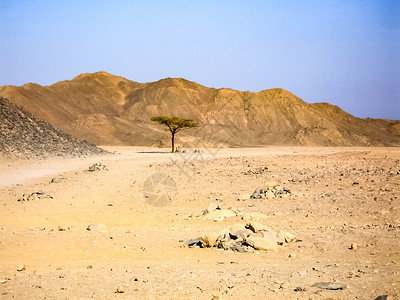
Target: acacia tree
[{"x": 174, "y": 125}]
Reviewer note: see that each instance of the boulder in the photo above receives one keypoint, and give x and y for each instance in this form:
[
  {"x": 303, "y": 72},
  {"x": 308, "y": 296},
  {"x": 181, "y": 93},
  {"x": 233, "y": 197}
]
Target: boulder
[
  {"x": 330, "y": 285},
  {"x": 258, "y": 216},
  {"x": 224, "y": 236},
  {"x": 237, "y": 227},
  {"x": 210, "y": 239},
  {"x": 384, "y": 297},
  {"x": 220, "y": 213},
  {"x": 236, "y": 246},
  {"x": 272, "y": 237},
  {"x": 193, "y": 243},
  {"x": 262, "y": 243},
  {"x": 240, "y": 235},
  {"x": 256, "y": 226},
  {"x": 285, "y": 236}
]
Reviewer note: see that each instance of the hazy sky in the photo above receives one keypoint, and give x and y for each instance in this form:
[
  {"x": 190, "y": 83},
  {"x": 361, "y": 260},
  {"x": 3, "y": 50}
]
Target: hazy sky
[{"x": 345, "y": 52}]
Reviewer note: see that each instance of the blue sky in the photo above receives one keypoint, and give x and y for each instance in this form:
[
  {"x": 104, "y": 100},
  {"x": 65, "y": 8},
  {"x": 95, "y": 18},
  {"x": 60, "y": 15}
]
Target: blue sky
[{"x": 346, "y": 53}]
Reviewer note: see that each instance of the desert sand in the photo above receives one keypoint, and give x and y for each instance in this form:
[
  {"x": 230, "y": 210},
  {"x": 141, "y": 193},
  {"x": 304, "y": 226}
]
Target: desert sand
[{"x": 339, "y": 197}]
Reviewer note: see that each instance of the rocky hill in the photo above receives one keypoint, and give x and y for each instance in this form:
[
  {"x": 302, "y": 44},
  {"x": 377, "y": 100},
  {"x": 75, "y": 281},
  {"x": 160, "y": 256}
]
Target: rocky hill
[
  {"x": 108, "y": 109},
  {"x": 23, "y": 135}
]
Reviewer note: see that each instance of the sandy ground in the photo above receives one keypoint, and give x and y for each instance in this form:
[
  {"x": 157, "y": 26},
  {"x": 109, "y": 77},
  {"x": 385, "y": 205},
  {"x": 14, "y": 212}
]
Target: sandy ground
[{"x": 339, "y": 196}]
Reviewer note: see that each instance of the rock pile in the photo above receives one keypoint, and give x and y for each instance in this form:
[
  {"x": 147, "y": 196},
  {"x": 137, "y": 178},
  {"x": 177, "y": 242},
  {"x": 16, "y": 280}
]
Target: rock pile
[
  {"x": 22, "y": 135},
  {"x": 215, "y": 213},
  {"x": 256, "y": 171},
  {"x": 246, "y": 237},
  {"x": 38, "y": 195},
  {"x": 270, "y": 190},
  {"x": 97, "y": 167}
]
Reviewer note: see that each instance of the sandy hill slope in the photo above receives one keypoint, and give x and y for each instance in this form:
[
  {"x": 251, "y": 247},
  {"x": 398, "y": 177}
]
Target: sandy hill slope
[
  {"x": 107, "y": 109},
  {"x": 22, "y": 135}
]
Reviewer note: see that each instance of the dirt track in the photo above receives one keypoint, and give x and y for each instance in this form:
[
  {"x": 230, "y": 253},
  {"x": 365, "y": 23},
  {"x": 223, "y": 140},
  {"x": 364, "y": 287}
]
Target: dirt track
[{"x": 339, "y": 196}]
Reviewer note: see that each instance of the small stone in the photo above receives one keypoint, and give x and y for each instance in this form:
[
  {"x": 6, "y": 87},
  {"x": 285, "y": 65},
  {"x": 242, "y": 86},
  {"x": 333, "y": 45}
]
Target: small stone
[
  {"x": 120, "y": 290},
  {"x": 180, "y": 275},
  {"x": 56, "y": 180},
  {"x": 300, "y": 289},
  {"x": 3, "y": 281},
  {"x": 89, "y": 267},
  {"x": 257, "y": 194},
  {"x": 62, "y": 227},
  {"x": 94, "y": 227},
  {"x": 330, "y": 285},
  {"x": 21, "y": 268},
  {"x": 353, "y": 246}
]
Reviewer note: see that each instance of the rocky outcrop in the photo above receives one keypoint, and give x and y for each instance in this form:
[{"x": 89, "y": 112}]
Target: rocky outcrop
[{"x": 22, "y": 135}]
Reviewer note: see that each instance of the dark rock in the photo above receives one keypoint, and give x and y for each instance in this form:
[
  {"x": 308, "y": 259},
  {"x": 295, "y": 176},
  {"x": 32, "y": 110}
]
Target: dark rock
[
  {"x": 384, "y": 297},
  {"x": 238, "y": 235},
  {"x": 193, "y": 243}
]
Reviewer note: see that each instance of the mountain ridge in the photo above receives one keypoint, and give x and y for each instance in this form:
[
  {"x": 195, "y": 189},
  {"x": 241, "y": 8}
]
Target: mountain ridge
[{"x": 108, "y": 109}]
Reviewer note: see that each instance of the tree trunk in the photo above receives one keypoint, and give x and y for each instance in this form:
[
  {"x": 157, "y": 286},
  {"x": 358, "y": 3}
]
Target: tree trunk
[{"x": 173, "y": 142}]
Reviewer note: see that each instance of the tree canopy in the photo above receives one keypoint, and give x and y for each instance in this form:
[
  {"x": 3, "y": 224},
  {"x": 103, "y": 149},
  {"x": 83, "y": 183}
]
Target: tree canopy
[{"x": 174, "y": 125}]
